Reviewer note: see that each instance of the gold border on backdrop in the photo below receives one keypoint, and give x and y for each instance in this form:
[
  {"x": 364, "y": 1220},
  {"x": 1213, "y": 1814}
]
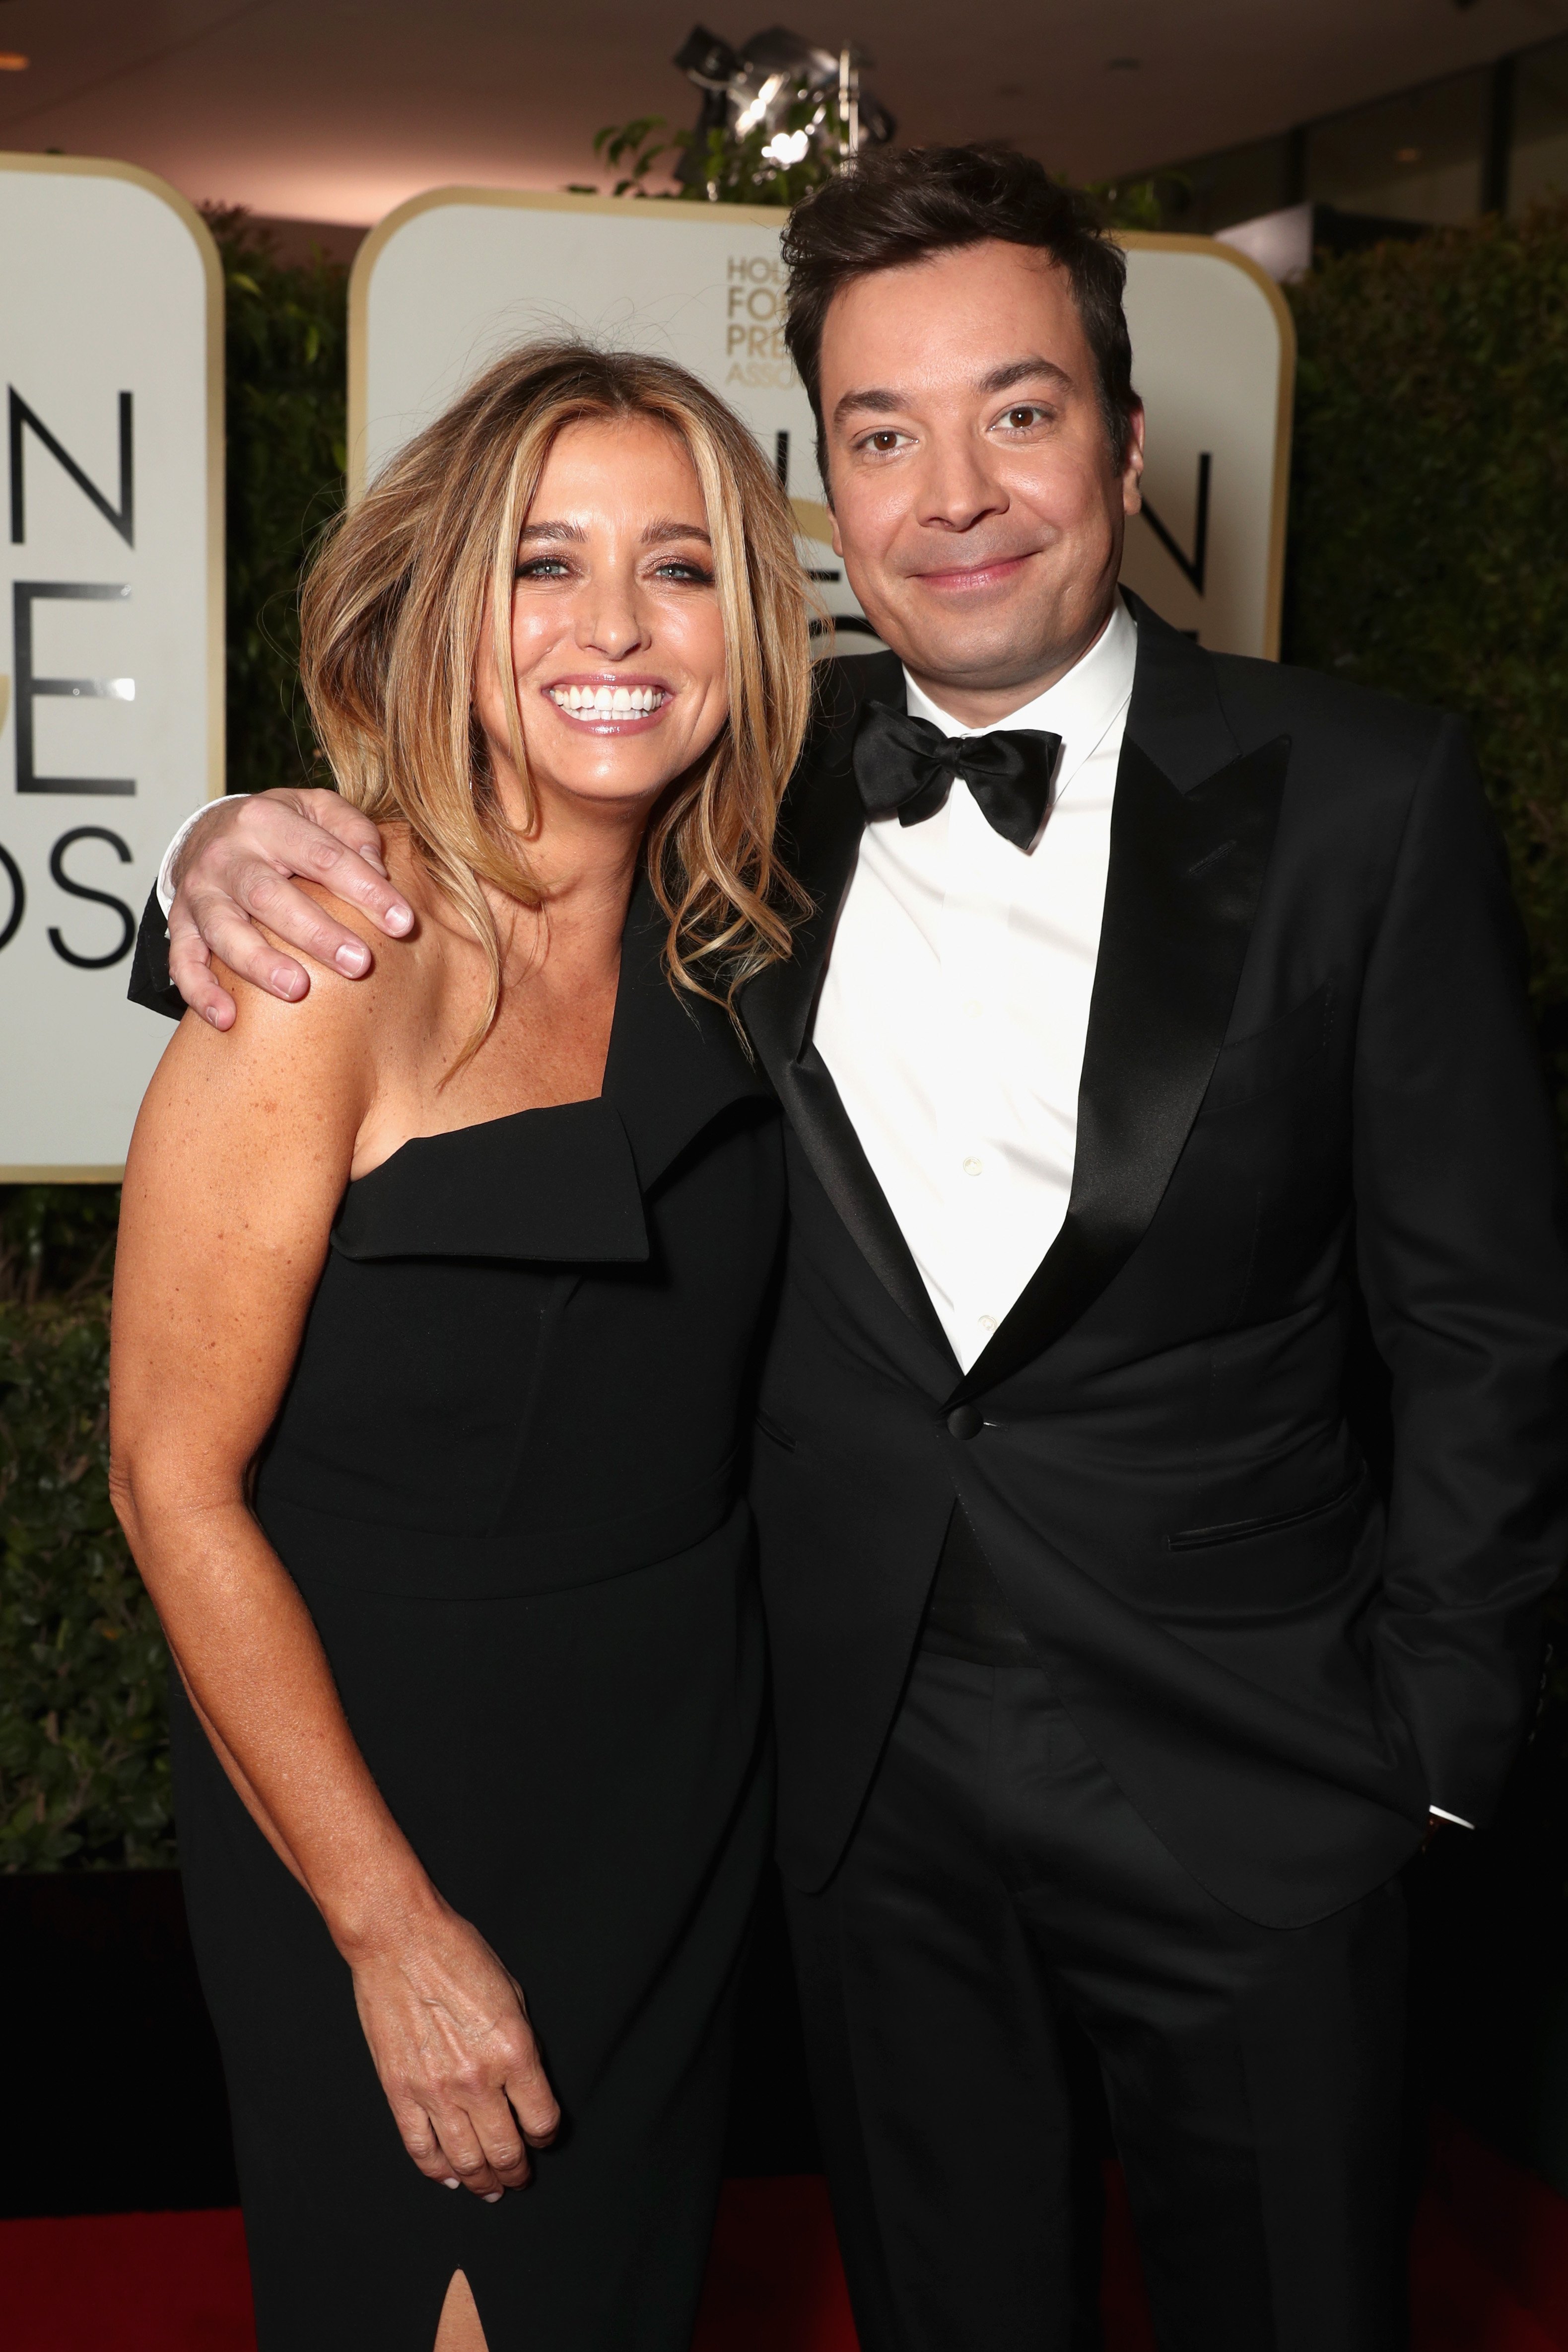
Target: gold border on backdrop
[
  {"x": 1135, "y": 240},
  {"x": 92, "y": 167},
  {"x": 812, "y": 518}
]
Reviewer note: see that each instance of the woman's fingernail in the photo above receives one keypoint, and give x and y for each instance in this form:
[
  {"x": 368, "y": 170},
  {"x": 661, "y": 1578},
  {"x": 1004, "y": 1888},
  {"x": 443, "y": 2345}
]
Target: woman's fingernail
[
  {"x": 353, "y": 960},
  {"x": 398, "y": 920},
  {"x": 451, "y": 2181},
  {"x": 492, "y": 2196}
]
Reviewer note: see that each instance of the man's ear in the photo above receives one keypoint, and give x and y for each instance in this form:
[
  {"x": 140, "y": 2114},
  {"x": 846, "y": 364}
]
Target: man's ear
[{"x": 1132, "y": 461}]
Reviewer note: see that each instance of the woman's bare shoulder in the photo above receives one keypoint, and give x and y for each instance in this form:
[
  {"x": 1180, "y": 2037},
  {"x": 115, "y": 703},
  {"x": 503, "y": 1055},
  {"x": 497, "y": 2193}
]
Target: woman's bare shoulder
[{"x": 324, "y": 1061}]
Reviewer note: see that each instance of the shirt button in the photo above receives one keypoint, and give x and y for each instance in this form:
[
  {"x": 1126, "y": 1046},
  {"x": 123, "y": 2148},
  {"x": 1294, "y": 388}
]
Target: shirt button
[
  {"x": 966, "y": 1421},
  {"x": 987, "y": 1322},
  {"x": 972, "y": 1167}
]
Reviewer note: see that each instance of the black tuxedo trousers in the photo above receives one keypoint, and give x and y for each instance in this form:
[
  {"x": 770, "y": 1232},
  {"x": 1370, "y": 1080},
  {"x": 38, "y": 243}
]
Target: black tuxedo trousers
[
  {"x": 1268, "y": 1466},
  {"x": 998, "y": 1883}
]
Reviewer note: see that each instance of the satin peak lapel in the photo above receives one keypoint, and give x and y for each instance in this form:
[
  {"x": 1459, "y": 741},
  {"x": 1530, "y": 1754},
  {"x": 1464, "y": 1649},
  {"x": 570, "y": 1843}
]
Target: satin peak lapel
[
  {"x": 820, "y": 835},
  {"x": 1186, "y": 875}
]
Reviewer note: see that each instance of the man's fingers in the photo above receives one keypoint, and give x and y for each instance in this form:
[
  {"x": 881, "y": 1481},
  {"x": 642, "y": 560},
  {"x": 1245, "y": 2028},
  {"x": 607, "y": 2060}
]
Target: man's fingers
[
  {"x": 269, "y": 897},
  {"x": 294, "y": 846},
  {"x": 349, "y": 824},
  {"x": 231, "y": 935},
  {"x": 191, "y": 970}
]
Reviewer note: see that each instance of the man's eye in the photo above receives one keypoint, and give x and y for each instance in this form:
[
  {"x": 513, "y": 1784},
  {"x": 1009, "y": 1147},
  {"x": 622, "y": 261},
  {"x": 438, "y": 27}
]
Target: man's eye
[
  {"x": 1025, "y": 413},
  {"x": 883, "y": 441}
]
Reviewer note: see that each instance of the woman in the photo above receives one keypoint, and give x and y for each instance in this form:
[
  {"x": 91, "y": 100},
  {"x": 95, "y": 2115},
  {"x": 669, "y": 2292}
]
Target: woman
[{"x": 433, "y": 1309}]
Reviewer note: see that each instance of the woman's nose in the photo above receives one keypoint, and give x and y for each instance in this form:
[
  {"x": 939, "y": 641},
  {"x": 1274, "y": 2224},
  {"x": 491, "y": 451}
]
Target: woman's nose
[{"x": 611, "y": 622}]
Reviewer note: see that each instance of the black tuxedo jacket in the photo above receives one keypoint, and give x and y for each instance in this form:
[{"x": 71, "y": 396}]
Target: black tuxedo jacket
[{"x": 1311, "y": 1102}]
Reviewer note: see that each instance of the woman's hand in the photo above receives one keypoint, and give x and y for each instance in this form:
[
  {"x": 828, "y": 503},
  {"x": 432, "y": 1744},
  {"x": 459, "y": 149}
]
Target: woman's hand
[{"x": 455, "y": 2054}]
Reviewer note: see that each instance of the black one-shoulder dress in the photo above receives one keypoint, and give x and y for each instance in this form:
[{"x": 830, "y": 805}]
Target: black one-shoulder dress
[{"x": 504, "y": 1479}]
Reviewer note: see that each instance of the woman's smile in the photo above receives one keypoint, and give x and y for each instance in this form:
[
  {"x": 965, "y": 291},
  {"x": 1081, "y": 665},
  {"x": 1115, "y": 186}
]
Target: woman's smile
[{"x": 607, "y": 704}]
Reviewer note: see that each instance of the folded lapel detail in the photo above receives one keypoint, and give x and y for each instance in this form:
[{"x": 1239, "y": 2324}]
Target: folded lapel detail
[
  {"x": 1186, "y": 875},
  {"x": 548, "y": 1187}
]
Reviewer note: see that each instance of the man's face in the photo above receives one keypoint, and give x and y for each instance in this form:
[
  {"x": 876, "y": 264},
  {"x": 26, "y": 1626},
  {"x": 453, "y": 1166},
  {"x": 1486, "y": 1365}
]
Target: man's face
[{"x": 977, "y": 505}]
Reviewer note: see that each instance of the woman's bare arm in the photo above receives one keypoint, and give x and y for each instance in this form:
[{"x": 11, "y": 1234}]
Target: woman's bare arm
[{"x": 239, "y": 1159}]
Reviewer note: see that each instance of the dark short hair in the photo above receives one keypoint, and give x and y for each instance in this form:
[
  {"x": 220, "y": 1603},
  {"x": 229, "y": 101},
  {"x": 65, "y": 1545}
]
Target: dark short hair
[{"x": 899, "y": 204}]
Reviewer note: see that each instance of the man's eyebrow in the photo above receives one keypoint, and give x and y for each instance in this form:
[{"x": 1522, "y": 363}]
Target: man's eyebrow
[
  {"x": 1028, "y": 371},
  {"x": 872, "y": 402},
  {"x": 879, "y": 400}
]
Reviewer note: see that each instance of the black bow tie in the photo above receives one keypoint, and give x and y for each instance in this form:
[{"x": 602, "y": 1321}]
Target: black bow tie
[{"x": 907, "y": 765}]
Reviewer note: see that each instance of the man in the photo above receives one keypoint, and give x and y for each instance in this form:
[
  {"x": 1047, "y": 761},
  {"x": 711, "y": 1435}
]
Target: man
[{"x": 1158, "y": 1029}]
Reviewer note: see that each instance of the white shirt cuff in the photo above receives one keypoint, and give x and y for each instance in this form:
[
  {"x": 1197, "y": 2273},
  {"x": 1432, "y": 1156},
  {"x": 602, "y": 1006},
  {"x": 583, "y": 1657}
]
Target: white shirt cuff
[
  {"x": 165, "y": 877},
  {"x": 1457, "y": 1819}
]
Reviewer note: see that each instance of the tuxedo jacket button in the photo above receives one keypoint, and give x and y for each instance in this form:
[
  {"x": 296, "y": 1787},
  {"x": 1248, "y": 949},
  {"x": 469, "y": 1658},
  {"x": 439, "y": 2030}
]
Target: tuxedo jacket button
[{"x": 966, "y": 1421}]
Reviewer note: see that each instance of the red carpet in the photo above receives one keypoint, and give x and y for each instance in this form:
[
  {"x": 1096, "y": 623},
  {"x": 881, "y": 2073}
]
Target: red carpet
[{"x": 1490, "y": 2272}]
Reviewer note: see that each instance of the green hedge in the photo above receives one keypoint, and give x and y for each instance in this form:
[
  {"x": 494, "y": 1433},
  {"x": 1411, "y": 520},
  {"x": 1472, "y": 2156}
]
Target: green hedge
[
  {"x": 1426, "y": 556},
  {"x": 84, "y": 1762},
  {"x": 1428, "y": 553},
  {"x": 286, "y": 373}
]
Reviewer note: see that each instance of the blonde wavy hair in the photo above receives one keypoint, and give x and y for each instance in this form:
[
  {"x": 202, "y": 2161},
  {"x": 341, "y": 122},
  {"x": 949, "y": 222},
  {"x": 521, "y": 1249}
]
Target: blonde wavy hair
[{"x": 392, "y": 614}]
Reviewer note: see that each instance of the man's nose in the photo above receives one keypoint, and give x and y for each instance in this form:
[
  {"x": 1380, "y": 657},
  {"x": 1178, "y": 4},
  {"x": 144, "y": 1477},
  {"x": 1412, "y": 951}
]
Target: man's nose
[{"x": 958, "y": 488}]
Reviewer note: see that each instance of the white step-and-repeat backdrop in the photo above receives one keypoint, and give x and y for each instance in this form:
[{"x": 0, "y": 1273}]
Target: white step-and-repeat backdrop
[
  {"x": 449, "y": 279},
  {"x": 110, "y": 628}
]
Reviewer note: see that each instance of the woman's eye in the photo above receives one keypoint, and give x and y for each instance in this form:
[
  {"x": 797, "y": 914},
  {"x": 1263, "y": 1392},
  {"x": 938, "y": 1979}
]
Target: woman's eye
[
  {"x": 543, "y": 567},
  {"x": 679, "y": 568}
]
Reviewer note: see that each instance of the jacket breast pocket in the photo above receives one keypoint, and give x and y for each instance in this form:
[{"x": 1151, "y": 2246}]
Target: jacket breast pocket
[{"x": 1289, "y": 1052}]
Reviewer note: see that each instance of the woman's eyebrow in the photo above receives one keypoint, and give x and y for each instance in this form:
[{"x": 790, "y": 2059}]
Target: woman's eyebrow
[{"x": 653, "y": 535}]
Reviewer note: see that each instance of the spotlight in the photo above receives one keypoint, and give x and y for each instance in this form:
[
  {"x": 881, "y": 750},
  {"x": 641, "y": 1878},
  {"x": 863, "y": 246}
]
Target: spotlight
[{"x": 777, "y": 84}]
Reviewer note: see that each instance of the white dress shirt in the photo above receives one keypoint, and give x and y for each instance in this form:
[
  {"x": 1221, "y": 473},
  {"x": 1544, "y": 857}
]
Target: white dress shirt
[{"x": 955, "y": 1007}]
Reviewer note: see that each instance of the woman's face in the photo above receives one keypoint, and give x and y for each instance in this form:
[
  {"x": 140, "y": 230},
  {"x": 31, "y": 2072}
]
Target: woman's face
[{"x": 617, "y": 640}]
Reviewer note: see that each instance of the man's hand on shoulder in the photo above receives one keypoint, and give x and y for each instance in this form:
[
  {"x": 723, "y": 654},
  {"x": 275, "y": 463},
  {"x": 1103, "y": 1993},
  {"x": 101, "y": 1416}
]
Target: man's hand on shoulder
[{"x": 236, "y": 869}]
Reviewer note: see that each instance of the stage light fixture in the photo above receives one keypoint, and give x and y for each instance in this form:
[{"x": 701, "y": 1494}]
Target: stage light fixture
[{"x": 782, "y": 89}]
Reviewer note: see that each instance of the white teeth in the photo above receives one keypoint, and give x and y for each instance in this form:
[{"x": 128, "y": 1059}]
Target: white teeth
[{"x": 608, "y": 702}]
